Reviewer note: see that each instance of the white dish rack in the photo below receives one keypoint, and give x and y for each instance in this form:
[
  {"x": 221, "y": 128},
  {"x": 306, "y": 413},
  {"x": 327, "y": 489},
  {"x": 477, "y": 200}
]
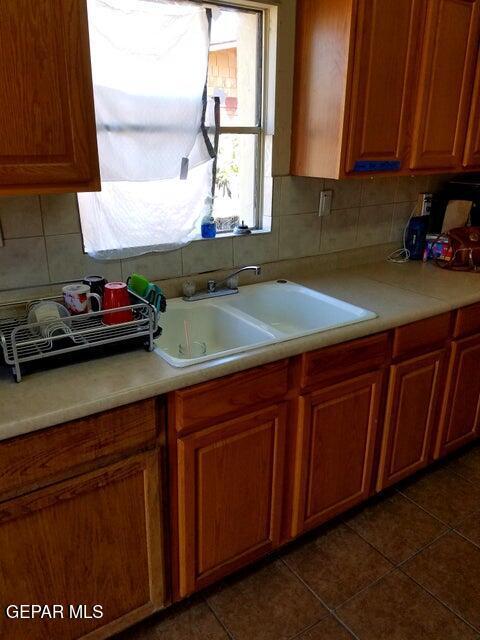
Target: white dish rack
[{"x": 22, "y": 341}]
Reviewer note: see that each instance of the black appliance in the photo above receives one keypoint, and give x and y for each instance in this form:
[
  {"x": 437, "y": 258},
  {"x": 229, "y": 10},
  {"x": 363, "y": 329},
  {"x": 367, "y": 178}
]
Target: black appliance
[{"x": 462, "y": 187}]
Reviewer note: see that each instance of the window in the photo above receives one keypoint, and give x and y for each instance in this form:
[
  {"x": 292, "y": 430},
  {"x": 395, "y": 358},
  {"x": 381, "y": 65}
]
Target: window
[
  {"x": 235, "y": 76},
  {"x": 157, "y": 161}
]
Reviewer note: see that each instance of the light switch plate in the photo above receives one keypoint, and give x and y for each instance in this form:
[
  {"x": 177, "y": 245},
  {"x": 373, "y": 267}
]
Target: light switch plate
[{"x": 326, "y": 198}]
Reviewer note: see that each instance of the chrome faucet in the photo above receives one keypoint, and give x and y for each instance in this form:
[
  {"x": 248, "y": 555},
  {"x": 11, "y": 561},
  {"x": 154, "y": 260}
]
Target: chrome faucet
[{"x": 215, "y": 289}]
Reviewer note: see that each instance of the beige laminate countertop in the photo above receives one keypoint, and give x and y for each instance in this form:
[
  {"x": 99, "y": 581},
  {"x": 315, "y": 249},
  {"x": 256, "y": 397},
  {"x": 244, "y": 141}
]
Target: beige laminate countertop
[{"x": 399, "y": 294}]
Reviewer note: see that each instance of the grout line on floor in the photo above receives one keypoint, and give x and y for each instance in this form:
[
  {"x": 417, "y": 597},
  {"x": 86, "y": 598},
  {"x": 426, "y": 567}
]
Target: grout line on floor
[
  {"x": 447, "y": 524},
  {"x": 332, "y": 611},
  {"x": 310, "y": 627},
  {"x": 392, "y": 570},
  {"x": 462, "y": 535},
  {"x": 444, "y": 604},
  {"x": 459, "y": 475},
  {"x": 345, "y": 625},
  {"x": 307, "y": 586},
  {"x": 219, "y": 619},
  {"x": 416, "y": 552},
  {"x": 422, "y": 549},
  {"x": 322, "y": 602}
]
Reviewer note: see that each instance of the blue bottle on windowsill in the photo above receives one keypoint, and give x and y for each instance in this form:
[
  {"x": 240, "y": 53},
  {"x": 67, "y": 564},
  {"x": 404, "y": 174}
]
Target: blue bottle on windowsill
[{"x": 208, "y": 227}]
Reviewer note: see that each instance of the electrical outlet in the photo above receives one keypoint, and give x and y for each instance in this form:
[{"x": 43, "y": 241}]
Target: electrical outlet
[{"x": 326, "y": 198}]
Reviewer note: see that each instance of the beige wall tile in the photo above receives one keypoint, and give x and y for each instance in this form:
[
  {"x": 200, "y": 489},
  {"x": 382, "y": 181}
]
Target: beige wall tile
[
  {"x": 374, "y": 225},
  {"x": 207, "y": 255},
  {"x": 346, "y": 193},
  {"x": 364, "y": 255},
  {"x": 339, "y": 230},
  {"x": 60, "y": 214},
  {"x": 257, "y": 248},
  {"x": 277, "y": 197},
  {"x": 23, "y": 263},
  {"x": 401, "y": 215},
  {"x": 299, "y": 195},
  {"x": 67, "y": 261},
  {"x": 20, "y": 216},
  {"x": 377, "y": 190},
  {"x": 299, "y": 235},
  {"x": 408, "y": 188},
  {"x": 154, "y": 266}
]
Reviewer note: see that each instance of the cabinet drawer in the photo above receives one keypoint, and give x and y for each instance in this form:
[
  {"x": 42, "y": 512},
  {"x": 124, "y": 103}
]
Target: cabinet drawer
[
  {"x": 344, "y": 360},
  {"x": 421, "y": 336},
  {"x": 37, "y": 458},
  {"x": 217, "y": 399},
  {"x": 467, "y": 321}
]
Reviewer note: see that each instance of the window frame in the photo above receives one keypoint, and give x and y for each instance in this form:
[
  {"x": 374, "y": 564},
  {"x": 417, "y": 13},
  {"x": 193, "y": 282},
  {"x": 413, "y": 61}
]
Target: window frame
[
  {"x": 266, "y": 82},
  {"x": 261, "y": 107}
]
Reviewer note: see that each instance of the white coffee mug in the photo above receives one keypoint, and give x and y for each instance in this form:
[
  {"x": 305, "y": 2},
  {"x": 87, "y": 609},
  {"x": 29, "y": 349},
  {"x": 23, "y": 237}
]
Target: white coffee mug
[{"x": 77, "y": 298}]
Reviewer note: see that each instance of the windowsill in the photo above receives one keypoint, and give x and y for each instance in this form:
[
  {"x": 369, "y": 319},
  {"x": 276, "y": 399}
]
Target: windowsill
[{"x": 230, "y": 234}]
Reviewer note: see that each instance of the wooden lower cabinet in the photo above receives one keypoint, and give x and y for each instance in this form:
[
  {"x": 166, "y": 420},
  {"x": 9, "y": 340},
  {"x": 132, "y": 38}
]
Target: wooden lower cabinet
[
  {"x": 94, "y": 539},
  {"x": 230, "y": 485},
  {"x": 410, "y": 418},
  {"x": 336, "y": 435},
  {"x": 460, "y": 417}
]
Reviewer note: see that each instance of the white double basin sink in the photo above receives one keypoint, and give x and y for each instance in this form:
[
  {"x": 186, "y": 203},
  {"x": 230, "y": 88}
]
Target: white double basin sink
[{"x": 259, "y": 315}]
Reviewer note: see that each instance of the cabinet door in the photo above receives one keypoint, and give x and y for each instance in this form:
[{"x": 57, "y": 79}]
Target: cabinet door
[
  {"x": 95, "y": 539},
  {"x": 386, "y": 49},
  {"x": 471, "y": 158},
  {"x": 460, "y": 418},
  {"x": 230, "y": 479},
  {"x": 47, "y": 123},
  {"x": 445, "y": 84},
  {"x": 410, "y": 419},
  {"x": 335, "y": 449}
]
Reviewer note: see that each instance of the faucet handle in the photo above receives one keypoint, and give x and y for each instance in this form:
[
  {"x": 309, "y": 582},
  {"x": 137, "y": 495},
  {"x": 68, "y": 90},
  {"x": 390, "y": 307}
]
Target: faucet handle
[{"x": 189, "y": 288}]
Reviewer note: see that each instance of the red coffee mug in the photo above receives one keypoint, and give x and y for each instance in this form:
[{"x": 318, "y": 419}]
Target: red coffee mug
[{"x": 115, "y": 295}]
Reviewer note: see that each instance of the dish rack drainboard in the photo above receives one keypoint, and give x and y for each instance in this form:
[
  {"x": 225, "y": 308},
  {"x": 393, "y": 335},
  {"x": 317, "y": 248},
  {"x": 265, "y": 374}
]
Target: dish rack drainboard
[{"x": 22, "y": 341}]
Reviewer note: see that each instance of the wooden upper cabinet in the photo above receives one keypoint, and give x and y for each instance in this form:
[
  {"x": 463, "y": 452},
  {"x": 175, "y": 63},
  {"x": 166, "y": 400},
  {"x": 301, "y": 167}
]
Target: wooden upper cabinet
[
  {"x": 460, "y": 418},
  {"x": 336, "y": 436},
  {"x": 411, "y": 417},
  {"x": 325, "y": 32},
  {"x": 445, "y": 82},
  {"x": 471, "y": 159},
  {"x": 230, "y": 483},
  {"x": 386, "y": 49},
  {"x": 385, "y": 86},
  {"x": 94, "y": 539},
  {"x": 47, "y": 123},
  {"x": 355, "y": 66}
]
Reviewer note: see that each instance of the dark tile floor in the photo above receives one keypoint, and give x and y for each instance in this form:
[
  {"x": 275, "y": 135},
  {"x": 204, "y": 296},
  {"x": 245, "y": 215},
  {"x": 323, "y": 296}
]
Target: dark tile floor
[{"x": 406, "y": 567}]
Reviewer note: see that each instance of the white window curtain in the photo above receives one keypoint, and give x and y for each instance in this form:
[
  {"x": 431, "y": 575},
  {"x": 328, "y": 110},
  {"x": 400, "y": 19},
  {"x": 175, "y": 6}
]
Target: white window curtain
[{"x": 149, "y": 65}]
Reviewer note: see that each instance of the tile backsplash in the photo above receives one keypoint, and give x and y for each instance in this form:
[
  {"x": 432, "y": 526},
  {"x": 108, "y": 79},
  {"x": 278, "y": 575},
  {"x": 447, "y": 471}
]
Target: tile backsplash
[{"x": 43, "y": 245}]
